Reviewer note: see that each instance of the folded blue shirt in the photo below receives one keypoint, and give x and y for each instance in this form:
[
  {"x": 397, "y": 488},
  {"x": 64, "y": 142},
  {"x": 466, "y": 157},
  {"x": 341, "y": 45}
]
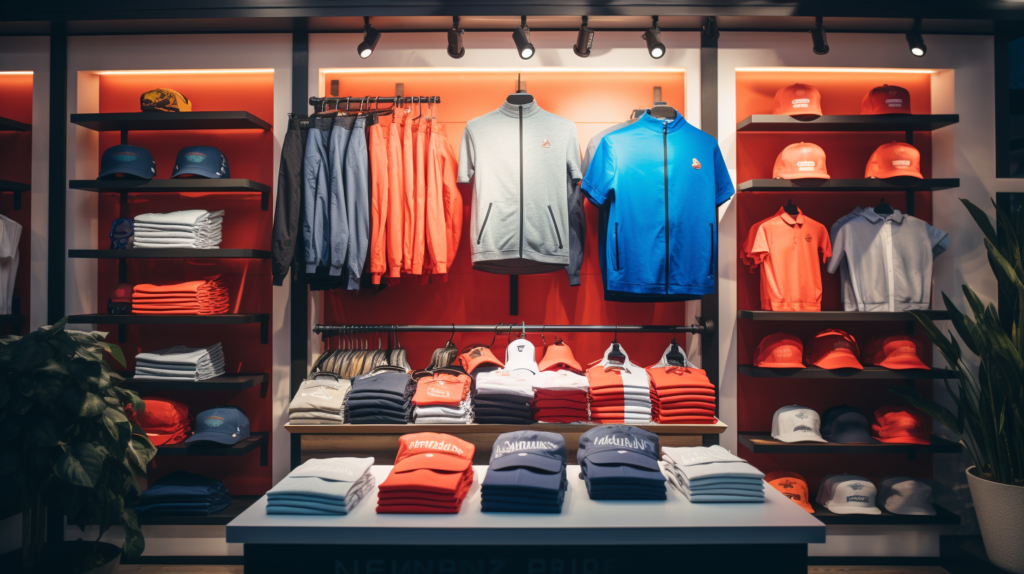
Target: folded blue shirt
[
  {"x": 525, "y": 508},
  {"x": 524, "y": 478}
]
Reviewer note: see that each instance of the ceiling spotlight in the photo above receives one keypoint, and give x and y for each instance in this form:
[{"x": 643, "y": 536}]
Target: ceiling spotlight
[
  {"x": 455, "y": 47},
  {"x": 653, "y": 37},
  {"x": 915, "y": 41},
  {"x": 584, "y": 40},
  {"x": 818, "y": 37},
  {"x": 370, "y": 38},
  {"x": 521, "y": 36}
]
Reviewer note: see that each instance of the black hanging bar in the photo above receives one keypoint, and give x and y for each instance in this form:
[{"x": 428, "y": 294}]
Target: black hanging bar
[
  {"x": 318, "y": 103},
  {"x": 505, "y": 327}
]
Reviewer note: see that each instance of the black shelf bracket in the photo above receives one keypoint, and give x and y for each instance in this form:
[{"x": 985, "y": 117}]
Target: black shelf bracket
[
  {"x": 513, "y": 295},
  {"x": 264, "y": 329}
]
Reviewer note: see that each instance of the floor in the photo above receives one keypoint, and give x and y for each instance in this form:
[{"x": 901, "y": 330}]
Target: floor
[{"x": 162, "y": 569}]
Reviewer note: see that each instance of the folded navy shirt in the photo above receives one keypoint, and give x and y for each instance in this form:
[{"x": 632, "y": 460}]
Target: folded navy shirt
[{"x": 391, "y": 383}]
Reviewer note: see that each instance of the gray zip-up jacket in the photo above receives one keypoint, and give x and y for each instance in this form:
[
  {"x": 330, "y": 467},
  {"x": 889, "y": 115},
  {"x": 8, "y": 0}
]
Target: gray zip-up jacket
[{"x": 524, "y": 163}]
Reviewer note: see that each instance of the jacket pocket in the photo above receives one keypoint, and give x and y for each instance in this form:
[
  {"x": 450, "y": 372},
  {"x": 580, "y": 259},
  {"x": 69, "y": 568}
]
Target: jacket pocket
[
  {"x": 554, "y": 224},
  {"x": 480, "y": 235},
  {"x": 618, "y": 266}
]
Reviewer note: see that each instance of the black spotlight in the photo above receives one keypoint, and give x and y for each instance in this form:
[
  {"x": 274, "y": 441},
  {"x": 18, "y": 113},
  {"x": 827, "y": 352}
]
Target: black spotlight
[
  {"x": 521, "y": 36},
  {"x": 370, "y": 38},
  {"x": 818, "y": 37},
  {"x": 584, "y": 40},
  {"x": 915, "y": 41},
  {"x": 455, "y": 47},
  {"x": 653, "y": 37}
]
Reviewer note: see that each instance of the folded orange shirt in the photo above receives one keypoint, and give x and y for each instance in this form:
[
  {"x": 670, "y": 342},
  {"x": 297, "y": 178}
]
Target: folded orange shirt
[{"x": 441, "y": 389}]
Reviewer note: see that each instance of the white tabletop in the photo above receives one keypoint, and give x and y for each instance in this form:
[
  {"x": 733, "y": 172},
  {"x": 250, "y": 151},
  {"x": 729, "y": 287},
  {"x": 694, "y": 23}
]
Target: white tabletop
[{"x": 582, "y": 522}]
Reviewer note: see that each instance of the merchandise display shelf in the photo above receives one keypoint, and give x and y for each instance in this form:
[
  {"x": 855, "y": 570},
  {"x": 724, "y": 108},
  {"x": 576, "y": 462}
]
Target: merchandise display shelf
[
  {"x": 869, "y": 123},
  {"x": 870, "y": 373},
  {"x": 170, "y": 253},
  {"x": 224, "y": 319},
  {"x": 201, "y": 185},
  {"x": 718, "y": 428},
  {"x": 223, "y": 383},
  {"x": 836, "y": 316},
  {"x": 145, "y": 121},
  {"x": 864, "y": 185},
  {"x": 942, "y": 517},
  {"x": 239, "y": 504},
  {"x": 764, "y": 443},
  {"x": 256, "y": 440},
  {"x": 15, "y": 187},
  {"x": 9, "y": 125}
]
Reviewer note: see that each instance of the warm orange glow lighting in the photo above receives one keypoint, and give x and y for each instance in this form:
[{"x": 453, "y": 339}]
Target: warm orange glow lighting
[
  {"x": 842, "y": 70},
  {"x": 15, "y": 73},
  {"x": 151, "y": 72},
  {"x": 451, "y": 70}
]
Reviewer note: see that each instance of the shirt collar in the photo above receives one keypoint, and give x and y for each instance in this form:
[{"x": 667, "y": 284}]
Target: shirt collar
[
  {"x": 654, "y": 124},
  {"x": 798, "y": 220},
  {"x": 512, "y": 110},
  {"x": 869, "y": 213}
]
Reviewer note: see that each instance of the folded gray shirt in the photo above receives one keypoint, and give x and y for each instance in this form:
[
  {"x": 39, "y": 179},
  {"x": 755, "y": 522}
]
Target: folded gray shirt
[{"x": 326, "y": 395}]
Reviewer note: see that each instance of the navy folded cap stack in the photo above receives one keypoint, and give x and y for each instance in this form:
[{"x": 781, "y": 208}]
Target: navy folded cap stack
[
  {"x": 380, "y": 398},
  {"x": 183, "y": 493},
  {"x": 526, "y": 474},
  {"x": 620, "y": 462}
]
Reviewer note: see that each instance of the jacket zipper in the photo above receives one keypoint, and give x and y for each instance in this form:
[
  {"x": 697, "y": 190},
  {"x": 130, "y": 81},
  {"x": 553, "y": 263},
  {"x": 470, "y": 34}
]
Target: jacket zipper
[
  {"x": 520, "y": 182},
  {"x": 711, "y": 260},
  {"x": 480, "y": 236},
  {"x": 555, "y": 224},
  {"x": 664, "y": 149},
  {"x": 618, "y": 266}
]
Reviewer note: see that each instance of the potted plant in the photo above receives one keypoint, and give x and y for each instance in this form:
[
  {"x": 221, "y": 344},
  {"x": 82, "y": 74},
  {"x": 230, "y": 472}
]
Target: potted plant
[
  {"x": 66, "y": 443},
  {"x": 990, "y": 405}
]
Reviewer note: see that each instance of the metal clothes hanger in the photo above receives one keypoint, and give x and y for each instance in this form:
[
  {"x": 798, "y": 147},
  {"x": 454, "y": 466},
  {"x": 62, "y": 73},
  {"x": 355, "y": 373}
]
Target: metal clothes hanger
[
  {"x": 675, "y": 356},
  {"x": 883, "y": 208},
  {"x": 791, "y": 209},
  {"x": 520, "y": 98},
  {"x": 616, "y": 353}
]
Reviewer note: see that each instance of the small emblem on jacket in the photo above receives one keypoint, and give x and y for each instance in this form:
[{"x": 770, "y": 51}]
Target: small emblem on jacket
[
  {"x": 695, "y": 164},
  {"x": 545, "y": 143},
  {"x": 808, "y": 238}
]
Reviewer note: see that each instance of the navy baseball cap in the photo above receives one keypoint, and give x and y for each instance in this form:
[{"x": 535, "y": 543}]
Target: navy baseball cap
[
  {"x": 620, "y": 444},
  {"x": 846, "y": 425},
  {"x": 531, "y": 449},
  {"x": 122, "y": 233},
  {"x": 225, "y": 425},
  {"x": 202, "y": 161},
  {"x": 127, "y": 161}
]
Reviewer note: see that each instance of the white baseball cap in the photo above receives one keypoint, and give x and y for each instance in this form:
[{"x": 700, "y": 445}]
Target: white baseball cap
[
  {"x": 905, "y": 495},
  {"x": 848, "y": 494},
  {"x": 794, "y": 423},
  {"x": 520, "y": 355}
]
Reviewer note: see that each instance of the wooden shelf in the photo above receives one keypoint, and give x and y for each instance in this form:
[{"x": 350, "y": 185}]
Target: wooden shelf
[
  {"x": 871, "y": 123},
  {"x": 870, "y": 373},
  {"x": 15, "y": 186},
  {"x": 9, "y": 125},
  {"x": 764, "y": 443},
  {"x": 857, "y": 185},
  {"x": 243, "y": 447},
  {"x": 942, "y": 517},
  {"x": 835, "y": 316},
  {"x": 222, "y": 383},
  {"x": 146, "y": 121},
  {"x": 493, "y": 428},
  {"x": 183, "y": 185},
  {"x": 239, "y": 504},
  {"x": 170, "y": 253}
]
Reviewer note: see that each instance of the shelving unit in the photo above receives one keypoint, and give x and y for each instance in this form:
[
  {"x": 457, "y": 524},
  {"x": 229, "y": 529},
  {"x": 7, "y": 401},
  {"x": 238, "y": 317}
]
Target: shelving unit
[
  {"x": 15, "y": 187},
  {"x": 859, "y": 185},
  {"x": 874, "y": 123},
  {"x": 239, "y": 504},
  {"x": 238, "y": 382},
  {"x": 764, "y": 443},
  {"x": 224, "y": 319},
  {"x": 9, "y": 125},
  {"x": 143, "y": 121},
  {"x": 942, "y": 517},
  {"x": 171, "y": 253},
  {"x": 717, "y": 428},
  {"x": 870, "y": 373},
  {"x": 257, "y": 440},
  {"x": 837, "y": 316},
  {"x": 185, "y": 185}
]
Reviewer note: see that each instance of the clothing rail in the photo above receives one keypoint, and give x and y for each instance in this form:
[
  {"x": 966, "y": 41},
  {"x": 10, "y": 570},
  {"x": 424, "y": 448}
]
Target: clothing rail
[
  {"x": 506, "y": 327},
  {"x": 317, "y": 102}
]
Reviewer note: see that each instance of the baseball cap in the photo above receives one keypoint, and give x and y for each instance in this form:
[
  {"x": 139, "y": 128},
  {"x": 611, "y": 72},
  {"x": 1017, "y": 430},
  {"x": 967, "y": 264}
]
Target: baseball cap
[
  {"x": 559, "y": 356},
  {"x": 164, "y": 420},
  {"x": 896, "y": 159},
  {"x": 122, "y": 233},
  {"x": 901, "y": 425},
  {"x": 127, "y": 161},
  {"x": 532, "y": 449},
  {"x": 798, "y": 100},
  {"x": 201, "y": 161},
  {"x": 793, "y": 486},
  {"x": 800, "y": 161},
  {"x": 620, "y": 444},
  {"x": 846, "y": 425},
  {"x": 905, "y": 495},
  {"x": 434, "y": 451},
  {"x": 164, "y": 100},
  {"x": 834, "y": 349},
  {"x": 224, "y": 425},
  {"x": 894, "y": 352},
  {"x": 476, "y": 357},
  {"x": 120, "y": 302},
  {"x": 780, "y": 351},
  {"x": 794, "y": 423},
  {"x": 886, "y": 99},
  {"x": 521, "y": 355},
  {"x": 849, "y": 494}
]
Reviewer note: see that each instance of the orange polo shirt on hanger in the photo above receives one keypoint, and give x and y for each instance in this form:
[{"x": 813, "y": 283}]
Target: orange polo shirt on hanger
[{"x": 791, "y": 252}]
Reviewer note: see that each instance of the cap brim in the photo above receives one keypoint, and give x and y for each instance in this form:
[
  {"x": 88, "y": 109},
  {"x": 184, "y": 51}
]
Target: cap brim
[
  {"x": 432, "y": 461},
  {"x": 888, "y": 112},
  {"x": 835, "y": 361},
  {"x": 799, "y": 437},
  {"x": 803, "y": 114},
  {"x": 216, "y": 437},
  {"x": 623, "y": 457},
  {"x": 805, "y": 175},
  {"x": 852, "y": 438},
  {"x": 904, "y": 362},
  {"x": 854, "y": 509},
  {"x": 898, "y": 173},
  {"x": 131, "y": 173},
  {"x": 914, "y": 511},
  {"x": 527, "y": 460},
  {"x": 907, "y": 439},
  {"x": 770, "y": 365},
  {"x": 196, "y": 170},
  {"x": 161, "y": 439}
]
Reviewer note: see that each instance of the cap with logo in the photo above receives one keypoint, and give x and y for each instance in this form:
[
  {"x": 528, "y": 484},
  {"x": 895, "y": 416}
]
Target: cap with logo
[
  {"x": 779, "y": 351},
  {"x": 559, "y": 356},
  {"x": 433, "y": 451},
  {"x": 886, "y": 99},
  {"x": 224, "y": 425},
  {"x": 127, "y": 161},
  {"x": 520, "y": 355},
  {"x": 846, "y": 425},
  {"x": 906, "y": 496},
  {"x": 901, "y": 425},
  {"x": 201, "y": 161},
  {"x": 848, "y": 494},
  {"x": 122, "y": 233},
  {"x": 164, "y": 100},
  {"x": 800, "y": 161},
  {"x": 793, "y": 486},
  {"x": 620, "y": 444},
  {"x": 896, "y": 159},
  {"x": 798, "y": 100},
  {"x": 164, "y": 420},
  {"x": 893, "y": 352},
  {"x": 478, "y": 357},
  {"x": 834, "y": 349},
  {"x": 795, "y": 423},
  {"x": 538, "y": 450},
  {"x": 120, "y": 302}
]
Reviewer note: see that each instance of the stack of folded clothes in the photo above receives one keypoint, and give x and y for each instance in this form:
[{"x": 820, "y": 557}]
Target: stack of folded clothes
[
  {"x": 183, "y": 494},
  {"x": 478, "y": 359},
  {"x": 204, "y": 297},
  {"x": 527, "y": 474},
  {"x": 320, "y": 401},
  {"x": 619, "y": 390},
  {"x": 620, "y": 462},
  {"x": 181, "y": 363},
  {"x": 380, "y": 398},
  {"x": 322, "y": 486},
  {"x": 165, "y": 421},
  {"x": 191, "y": 229},
  {"x": 560, "y": 397},
  {"x": 442, "y": 397},
  {"x": 713, "y": 474},
  {"x": 503, "y": 398},
  {"x": 432, "y": 475},
  {"x": 681, "y": 394}
]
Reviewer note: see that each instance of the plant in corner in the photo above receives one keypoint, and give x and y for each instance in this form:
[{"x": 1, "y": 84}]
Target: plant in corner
[
  {"x": 990, "y": 405},
  {"x": 67, "y": 444}
]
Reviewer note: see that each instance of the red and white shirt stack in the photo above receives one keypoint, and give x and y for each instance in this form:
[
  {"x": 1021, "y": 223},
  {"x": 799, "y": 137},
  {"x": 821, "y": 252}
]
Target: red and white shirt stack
[
  {"x": 619, "y": 391},
  {"x": 681, "y": 394},
  {"x": 560, "y": 397}
]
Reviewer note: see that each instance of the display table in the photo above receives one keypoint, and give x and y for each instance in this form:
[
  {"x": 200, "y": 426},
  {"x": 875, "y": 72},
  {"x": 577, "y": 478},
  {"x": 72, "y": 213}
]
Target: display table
[{"x": 588, "y": 537}]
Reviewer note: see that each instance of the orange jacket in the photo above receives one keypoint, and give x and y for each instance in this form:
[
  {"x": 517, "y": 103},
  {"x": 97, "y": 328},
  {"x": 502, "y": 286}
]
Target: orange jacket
[
  {"x": 437, "y": 242},
  {"x": 419, "y": 197},
  {"x": 408, "y": 187},
  {"x": 396, "y": 197},
  {"x": 452, "y": 195},
  {"x": 378, "y": 150}
]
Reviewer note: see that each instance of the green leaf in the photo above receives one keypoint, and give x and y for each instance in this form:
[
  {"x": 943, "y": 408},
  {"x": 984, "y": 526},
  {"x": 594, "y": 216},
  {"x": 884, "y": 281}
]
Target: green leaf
[
  {"x": 132, "y": 398},
  {"x": 48, "y": 391},
  {"x": 30, "y": 352},
  {"x": 981, "y": 219},
  {"x": 116, "y": 352},
  {"x": 140, "y": 452},
  {"x": 85, "y": 371},
  {"x": 46, "y": 433},
  {"x": 134, "y": 543},
  {"x": 84, "y": 403},
  {"x": 80, "y": 465},
  {"x": 116, "y": 423},
  {"x": 27, "y": 386}
]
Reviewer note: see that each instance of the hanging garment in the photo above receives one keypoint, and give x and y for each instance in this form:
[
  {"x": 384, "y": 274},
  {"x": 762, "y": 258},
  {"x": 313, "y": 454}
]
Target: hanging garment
[
  {"x": 10, "y": 235},
  {"x": 844, "y": 267},
  {"x": 357, "y": 200},
  {"x": 378, "y": 149},
  {"x": 437, "y": 242},
  {"x": 316, "y": 192},
  {"x": 791, "y": 251},
  {"x": 409, "y": 188},
  {"x": 285, "y": 253},
  {"x": 396, "y": 196},
  {"x": 452, "y": 197}
]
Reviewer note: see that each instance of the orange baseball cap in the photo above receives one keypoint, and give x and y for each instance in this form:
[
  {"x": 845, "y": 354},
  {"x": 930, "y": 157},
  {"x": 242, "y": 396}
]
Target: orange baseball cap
[
  {"x": 559, "y": 356},
  {"x": 471, "y": 359},
  {"x": 800, "y": 161},
  {"x": 894, "y": 352},
  {"x": 793, "y": 486},
  {"x": 797, "y": 100},
  {"x": 164, "y": 420},
  {"x": 122, "y": 293},
  {"x": 433, "y": 451},
  {"x": 886, "y": 99},
  {"x": 894, "y": 159},
  {"x": 834, "y": 349},
  {"x": 780, "y": 351},
  {"x": 901, "y": 425}
]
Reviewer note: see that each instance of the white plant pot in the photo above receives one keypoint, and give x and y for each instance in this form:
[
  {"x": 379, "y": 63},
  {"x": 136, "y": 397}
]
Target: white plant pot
[{"x": 1000, "y": 509}]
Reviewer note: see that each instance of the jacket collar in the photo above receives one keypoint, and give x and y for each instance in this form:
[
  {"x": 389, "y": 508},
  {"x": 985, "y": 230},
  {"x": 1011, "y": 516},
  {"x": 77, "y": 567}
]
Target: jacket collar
[
  {"x": 798, "y": 220},
  {"x": 654, "y": 124},
  {"x": 873, "y": 217},
  {"x": 512, "y": 111}
]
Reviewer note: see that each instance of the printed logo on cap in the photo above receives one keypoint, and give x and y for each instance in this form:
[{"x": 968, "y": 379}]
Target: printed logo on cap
[
  {"x": 214, "y": 421},
  {"x": 195, "y": 156},
  {"x": 125, "y": 156}
]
